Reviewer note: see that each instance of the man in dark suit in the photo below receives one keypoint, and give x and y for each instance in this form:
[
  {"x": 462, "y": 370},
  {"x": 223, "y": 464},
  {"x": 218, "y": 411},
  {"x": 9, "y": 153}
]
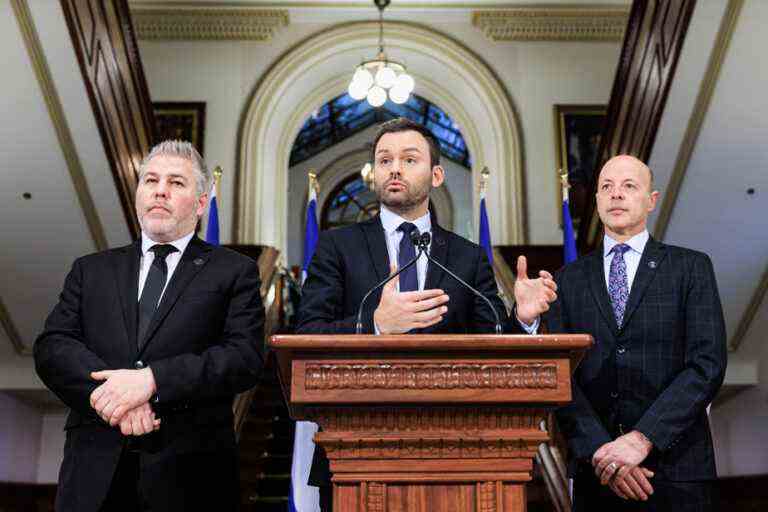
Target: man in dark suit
[
  {"x": 348, "y": 262},
  {"x": 637, "y": 429},
  {"x": 148, "y": 345}
]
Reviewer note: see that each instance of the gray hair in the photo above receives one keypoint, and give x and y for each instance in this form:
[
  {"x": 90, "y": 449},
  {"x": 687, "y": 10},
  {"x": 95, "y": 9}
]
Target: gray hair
[{"x": 185, "y": 150}]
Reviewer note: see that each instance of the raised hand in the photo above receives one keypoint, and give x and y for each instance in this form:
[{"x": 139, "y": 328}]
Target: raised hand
[
  {"x": 399, "y": 312},
  {"x": 532, "y": 296},
  {"x": 122, "y": 391},
  {"x": 139, "y": 421}
]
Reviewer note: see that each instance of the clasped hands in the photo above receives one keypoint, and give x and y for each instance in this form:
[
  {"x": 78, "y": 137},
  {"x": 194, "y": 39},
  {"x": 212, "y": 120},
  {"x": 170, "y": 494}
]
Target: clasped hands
[
  {"x": 123, "y": 399},
  {"x": 617, "y": 464}
]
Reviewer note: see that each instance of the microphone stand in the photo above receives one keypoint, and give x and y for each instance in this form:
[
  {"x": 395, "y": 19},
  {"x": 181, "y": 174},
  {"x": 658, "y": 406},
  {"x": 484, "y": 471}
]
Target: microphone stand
[
  {"x": 415, "y": 239},
  {"x": 423, "y": 242}
]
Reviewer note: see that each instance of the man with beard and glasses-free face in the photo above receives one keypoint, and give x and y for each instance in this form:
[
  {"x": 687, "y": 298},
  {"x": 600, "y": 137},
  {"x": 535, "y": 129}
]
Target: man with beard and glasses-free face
[
  {"x": 349, "y": 261},
  {"x": 637, "y": 429},
  {"x": 148, "y": 345}
]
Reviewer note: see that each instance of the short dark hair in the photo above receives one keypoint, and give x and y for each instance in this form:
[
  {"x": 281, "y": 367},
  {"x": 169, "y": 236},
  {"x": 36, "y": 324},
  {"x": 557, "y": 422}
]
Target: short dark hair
[{"x": 403, "y": 124}]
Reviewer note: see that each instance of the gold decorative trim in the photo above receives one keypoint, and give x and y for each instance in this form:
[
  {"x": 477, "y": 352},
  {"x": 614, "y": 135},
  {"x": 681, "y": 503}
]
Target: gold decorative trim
[
  {"x": 189, "y": 24},
  {"x": 56, "y": 112},
  {"x": 12, "y": 332},
  {"x": 700, "y": 109},
  {"x": 552, "y": 24},
  {"x": 750, "y": 311}
]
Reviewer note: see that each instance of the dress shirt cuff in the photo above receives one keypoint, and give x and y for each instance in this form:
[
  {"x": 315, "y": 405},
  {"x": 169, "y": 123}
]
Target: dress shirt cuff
[{"x": 529, "y": 328}]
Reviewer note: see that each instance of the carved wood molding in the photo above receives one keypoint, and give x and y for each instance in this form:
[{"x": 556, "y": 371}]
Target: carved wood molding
[
  {"x": 376, "y": 496},
  {"x": 433, "y": 419},
  {"x": 552, "y": 24},
  {"x": 652, "y": 45},
  {"x": 106, "y": 49},
  {"x": 424, "y": 448},
  {"x": 190, "y": 24},
  {"x": 431, "y": 376},
  {"x": 487, "y": 492}
]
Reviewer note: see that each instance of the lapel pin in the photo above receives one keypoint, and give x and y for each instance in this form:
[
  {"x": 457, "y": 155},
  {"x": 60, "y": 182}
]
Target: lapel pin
[
  {"x": 199, "y": 261},
  {"x": 652, "y": 264}
]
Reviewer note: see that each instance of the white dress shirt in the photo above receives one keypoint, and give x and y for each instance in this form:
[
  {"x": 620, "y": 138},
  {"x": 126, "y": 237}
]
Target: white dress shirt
[
  {"x": 391, "y": 221},
  {"x": 172, "y": 260},
  {"x": 631, "y": 259}
]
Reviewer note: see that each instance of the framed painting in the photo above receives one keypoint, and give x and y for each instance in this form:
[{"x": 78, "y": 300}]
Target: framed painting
[
  {"x": 180, "y": 120},
  {"x": 578, "y": 130}
]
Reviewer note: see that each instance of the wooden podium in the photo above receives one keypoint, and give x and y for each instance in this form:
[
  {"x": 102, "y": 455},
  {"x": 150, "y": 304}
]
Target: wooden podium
[{"x": 428, "y": 423}]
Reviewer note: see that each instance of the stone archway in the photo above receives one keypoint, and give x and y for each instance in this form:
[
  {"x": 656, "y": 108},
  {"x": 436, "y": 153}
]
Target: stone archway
[{"x": 319, "y": 68}]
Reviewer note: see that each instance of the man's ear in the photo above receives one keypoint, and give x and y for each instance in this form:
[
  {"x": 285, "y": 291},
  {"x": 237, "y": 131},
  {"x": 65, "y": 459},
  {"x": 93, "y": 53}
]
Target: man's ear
[
  {"x": 202, "y": 202},
  {"x": 438, "y": 176}
]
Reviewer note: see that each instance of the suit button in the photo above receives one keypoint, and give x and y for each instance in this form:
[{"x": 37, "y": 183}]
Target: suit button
[
  {"x": 138, "y": 365},
  {"x": 614, "y": 394},
  {"x": 621, "y": 350}
]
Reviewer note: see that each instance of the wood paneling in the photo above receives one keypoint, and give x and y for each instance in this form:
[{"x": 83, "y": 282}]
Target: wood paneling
[
  {"x": 652, "y": 46},
  {"x": 105, "y": 44}
]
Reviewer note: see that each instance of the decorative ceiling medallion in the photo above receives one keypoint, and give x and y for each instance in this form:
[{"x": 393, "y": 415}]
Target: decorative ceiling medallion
[
  {"x": 537, "y": 24},
  {"x": 208, "y": 24}
]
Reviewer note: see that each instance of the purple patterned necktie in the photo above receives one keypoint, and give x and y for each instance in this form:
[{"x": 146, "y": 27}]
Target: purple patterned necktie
[{"x": 618, "y": 284}]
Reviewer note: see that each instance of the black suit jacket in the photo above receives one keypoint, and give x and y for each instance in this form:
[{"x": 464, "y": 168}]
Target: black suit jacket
[
  {"x": 657, "y": 372},
  {"x": 203, "y": 345},
  {"x": 350, "y": 261}
]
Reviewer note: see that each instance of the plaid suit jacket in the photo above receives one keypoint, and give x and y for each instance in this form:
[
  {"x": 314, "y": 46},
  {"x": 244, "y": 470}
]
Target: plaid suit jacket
[{"x": 658, "y": 371}]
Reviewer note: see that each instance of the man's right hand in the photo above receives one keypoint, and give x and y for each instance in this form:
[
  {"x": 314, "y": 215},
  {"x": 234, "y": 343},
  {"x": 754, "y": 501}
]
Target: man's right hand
[
  {"x": 139, "y": 421},
  {"x": 532, "y": 296},
  {"x": 400, "y": 312}
]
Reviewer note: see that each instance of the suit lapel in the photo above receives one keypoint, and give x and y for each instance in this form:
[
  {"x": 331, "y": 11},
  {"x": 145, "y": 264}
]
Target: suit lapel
[
  {"x": 192, "y": 261},
  {"x": 377, "y": 246},
  {"x": 596, "y": 278},
  {"x": 653, "y": 255},
  {"x": 438, "y": 250},
  {"x": 127, "y": 275}
]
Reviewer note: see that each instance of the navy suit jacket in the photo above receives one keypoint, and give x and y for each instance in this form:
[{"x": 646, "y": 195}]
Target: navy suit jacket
[
  {"x": 350, "y": 261},
  {"x": 657, "y": 372},
  {"x": 203, "y": 345}
]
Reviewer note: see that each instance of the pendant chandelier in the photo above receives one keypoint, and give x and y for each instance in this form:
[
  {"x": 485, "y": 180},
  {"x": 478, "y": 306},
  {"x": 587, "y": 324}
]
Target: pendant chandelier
[{"x": 381, "y": 78}]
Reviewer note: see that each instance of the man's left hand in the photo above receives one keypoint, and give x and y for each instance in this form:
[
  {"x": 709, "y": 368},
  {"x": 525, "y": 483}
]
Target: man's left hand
[
  {"x": 123, "y": 390},
  {"x": 631, "y": 449}
]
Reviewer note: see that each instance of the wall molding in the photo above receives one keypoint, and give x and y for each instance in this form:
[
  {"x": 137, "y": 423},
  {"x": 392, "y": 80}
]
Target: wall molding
[
  {"x": 749, "y": 313},
  {"x": 699, "y": 113},
  {"x": 553, "y": 24},
  {"x": 191, "y": 24},
  {"x": 12, "y": 332},
  {"x": 59, "y": 121}
]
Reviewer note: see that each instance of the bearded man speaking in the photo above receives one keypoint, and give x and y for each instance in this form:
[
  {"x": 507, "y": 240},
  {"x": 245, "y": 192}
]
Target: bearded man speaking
[{"x": 350, "y": 261}]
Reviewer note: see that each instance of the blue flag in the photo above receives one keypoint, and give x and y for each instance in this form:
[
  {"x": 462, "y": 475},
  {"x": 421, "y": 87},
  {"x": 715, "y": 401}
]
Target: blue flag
[
  {"x": 569, "y": 242},
  {"x": 311, "y": 232},
  {"x": 212, "y": 231},
  {"x": 485, "y": 230},
  {"x": 304, "y": 497}
]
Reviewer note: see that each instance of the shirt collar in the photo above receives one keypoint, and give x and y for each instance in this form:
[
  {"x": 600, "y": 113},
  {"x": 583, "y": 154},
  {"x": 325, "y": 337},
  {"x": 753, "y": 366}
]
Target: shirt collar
[
  {"x": 391, "y": 221},
  {"x": 180, "y": 244},
  {"x": 636, "y": 243}
]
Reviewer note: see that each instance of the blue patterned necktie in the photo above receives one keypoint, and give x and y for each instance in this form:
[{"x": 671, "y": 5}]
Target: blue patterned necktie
[
  {"x": 408, "y": 280},
  {"x": 618, "y": 284}
]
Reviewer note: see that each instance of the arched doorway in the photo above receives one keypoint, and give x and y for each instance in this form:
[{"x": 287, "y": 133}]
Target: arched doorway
[{"x": 318, "y": 69}]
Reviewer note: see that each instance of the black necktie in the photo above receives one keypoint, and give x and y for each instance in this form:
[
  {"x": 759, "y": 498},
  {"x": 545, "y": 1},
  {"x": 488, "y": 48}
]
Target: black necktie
[
  {"x": 409, "y": 281},
  {"x": 153, "y": 287}
]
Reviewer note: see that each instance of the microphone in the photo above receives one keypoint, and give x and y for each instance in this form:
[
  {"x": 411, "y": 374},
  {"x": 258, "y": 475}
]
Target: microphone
[
  {"x": 423, "y": 243},
  {"x": 416, "y": 241}
]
